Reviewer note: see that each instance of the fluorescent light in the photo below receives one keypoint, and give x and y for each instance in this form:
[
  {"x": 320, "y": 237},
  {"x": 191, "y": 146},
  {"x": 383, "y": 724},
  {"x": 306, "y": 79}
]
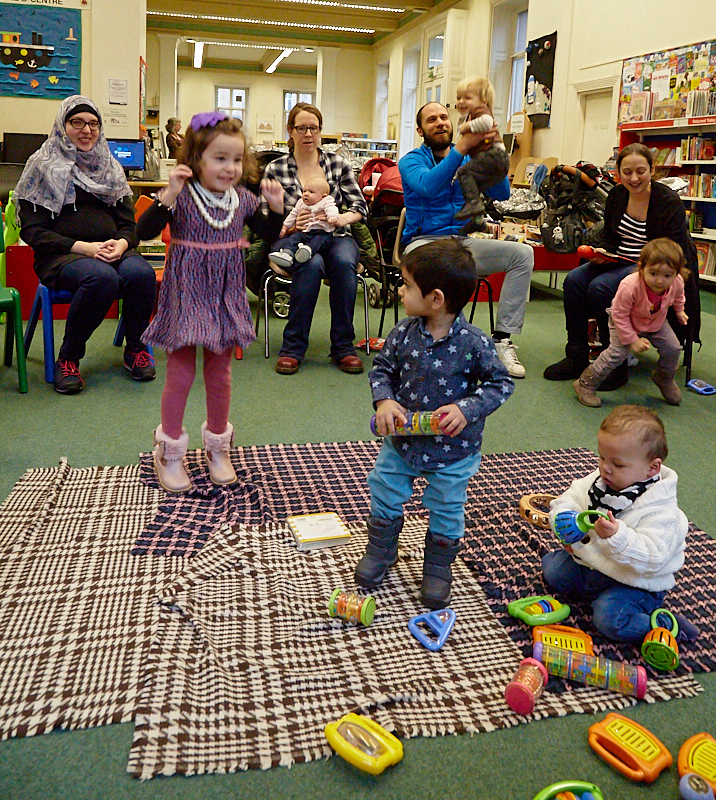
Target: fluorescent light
[
  {"x": 264, "y": 22},
  {"x": 198, "y": 54},
  {"x": 284, "y": 54}
]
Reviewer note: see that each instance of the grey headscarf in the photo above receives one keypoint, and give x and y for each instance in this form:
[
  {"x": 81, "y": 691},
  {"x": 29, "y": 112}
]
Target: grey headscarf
[{"x": 51, "y": 174}]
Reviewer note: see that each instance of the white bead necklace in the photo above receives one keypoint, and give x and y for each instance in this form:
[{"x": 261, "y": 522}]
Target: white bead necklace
[{"x": 227, "y": 202}]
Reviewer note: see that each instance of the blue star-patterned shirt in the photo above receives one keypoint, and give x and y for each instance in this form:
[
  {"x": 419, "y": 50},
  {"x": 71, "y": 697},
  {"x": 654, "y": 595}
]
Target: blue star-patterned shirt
[{"x": 422, "y": 375}]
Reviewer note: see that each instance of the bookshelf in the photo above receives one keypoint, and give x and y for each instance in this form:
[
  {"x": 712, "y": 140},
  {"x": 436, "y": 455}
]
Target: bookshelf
[
  {"x": 701, "y": 173},
  {"x": 370, "y": 148}
]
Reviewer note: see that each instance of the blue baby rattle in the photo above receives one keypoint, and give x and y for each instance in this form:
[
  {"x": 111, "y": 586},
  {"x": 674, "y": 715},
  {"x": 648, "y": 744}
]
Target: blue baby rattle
[{"x": 572, "y": 526}]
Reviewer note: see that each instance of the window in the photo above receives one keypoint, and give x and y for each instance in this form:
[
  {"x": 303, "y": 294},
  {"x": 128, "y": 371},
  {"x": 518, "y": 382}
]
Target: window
[
  {"x": 519, "y": 60},
  {"x": 435, "y": 52},
  {"x": 289, "y": 101},
  {"x": 232, "y": 101}
]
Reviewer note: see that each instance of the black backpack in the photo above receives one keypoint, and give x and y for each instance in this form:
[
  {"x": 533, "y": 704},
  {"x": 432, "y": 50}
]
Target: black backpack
[{"x": 575, "y": 196}]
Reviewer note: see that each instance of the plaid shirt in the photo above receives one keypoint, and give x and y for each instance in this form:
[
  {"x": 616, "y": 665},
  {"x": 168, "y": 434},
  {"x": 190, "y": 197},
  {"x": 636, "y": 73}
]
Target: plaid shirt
[
  {"x": 422, "y": 375},
  {"x": 339, "y": 174}
]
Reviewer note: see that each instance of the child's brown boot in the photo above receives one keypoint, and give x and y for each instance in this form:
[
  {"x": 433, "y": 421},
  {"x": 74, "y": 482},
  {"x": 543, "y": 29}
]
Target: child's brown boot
[
  {"x": 216, "y": 449},
  {"x": 169, "y": 461},
  {"x": 667, "y": 386},
  {"x": 586, "y": 388}
]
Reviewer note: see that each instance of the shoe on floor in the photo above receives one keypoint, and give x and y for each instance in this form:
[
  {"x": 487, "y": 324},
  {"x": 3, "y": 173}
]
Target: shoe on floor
[
  {"x": 688, "y": 632},
  {"x": 616, "y": 379},
  {"x": 303, "y": 253},
  {"x": 506, "y": 354},
  {"x": 281, "y": 258},
  {"x": 140, "y": 365},
  {"x": 287, "y": 365},
  {"x": 349, "y": 363},
  {"x": 67, "y": 377},
  {"x": 568, "y": 369}
]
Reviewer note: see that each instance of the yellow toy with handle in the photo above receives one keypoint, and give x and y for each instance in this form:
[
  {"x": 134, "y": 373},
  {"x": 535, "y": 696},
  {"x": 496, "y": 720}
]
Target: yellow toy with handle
[{"x": 364, "y": 743}]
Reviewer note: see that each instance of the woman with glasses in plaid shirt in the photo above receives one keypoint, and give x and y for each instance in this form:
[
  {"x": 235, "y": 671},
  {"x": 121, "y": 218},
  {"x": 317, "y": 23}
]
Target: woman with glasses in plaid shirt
[{"x": 339, "y": 262}]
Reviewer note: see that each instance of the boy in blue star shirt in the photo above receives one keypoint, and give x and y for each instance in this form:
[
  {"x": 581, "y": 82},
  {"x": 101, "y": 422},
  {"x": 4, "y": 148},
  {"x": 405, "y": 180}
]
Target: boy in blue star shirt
[{"x": 432, "y": 361}]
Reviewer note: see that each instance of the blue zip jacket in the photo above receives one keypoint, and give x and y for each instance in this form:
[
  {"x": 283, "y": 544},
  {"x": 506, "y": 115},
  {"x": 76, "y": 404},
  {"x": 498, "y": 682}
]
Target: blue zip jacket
[{"x": 432, "y": 195}]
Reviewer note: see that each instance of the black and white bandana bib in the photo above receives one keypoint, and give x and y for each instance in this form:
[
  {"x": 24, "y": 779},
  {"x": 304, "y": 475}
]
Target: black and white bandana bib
[{"x": 602, "y": 498}]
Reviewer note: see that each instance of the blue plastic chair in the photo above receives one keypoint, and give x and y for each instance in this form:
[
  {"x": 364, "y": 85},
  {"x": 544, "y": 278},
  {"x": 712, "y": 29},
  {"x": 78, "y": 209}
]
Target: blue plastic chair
[{"x": 45, "y": 298}]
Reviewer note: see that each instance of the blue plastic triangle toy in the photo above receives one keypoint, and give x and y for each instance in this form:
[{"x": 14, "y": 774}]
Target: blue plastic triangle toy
[{"x": 440, "y": 622}]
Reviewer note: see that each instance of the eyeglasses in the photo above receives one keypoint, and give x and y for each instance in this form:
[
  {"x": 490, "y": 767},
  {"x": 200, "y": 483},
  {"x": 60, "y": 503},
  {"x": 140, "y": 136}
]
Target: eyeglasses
[
  {"x": 312, "y": 129},
  {"x": 78, "y": 124}
]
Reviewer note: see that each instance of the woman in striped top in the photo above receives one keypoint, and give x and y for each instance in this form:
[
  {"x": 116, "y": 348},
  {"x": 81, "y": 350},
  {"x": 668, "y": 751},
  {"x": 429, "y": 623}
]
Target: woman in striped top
[{"x": 638, "y": 210}]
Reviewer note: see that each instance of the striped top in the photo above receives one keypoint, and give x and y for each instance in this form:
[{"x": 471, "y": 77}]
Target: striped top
[{"x": 633, "y": 237}]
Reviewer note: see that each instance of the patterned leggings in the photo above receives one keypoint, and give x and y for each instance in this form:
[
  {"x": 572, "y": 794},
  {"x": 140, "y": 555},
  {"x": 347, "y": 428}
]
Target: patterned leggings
[{"x": 181, "y": 369}]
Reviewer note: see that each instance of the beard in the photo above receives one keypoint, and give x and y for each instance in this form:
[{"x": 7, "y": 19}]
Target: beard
[{"x": 438, "y": 141}]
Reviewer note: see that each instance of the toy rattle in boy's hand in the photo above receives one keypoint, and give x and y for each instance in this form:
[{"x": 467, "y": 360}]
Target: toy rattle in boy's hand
[
  {"x": 571, "y": 526},
  {"x": 418, "y": 423}
]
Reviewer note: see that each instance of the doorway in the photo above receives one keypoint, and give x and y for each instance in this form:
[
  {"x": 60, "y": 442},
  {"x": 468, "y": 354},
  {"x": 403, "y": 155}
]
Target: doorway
[
  {"x": 598, "y": 135},
  {"x": 411, "y": 67}
]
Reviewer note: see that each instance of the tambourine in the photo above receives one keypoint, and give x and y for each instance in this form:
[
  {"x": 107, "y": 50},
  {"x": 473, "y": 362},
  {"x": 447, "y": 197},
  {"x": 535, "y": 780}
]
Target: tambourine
[{"x": 535, "y": 509}]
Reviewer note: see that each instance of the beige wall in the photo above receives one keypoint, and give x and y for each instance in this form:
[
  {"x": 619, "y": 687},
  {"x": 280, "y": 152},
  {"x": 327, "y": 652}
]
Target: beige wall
[
  {"x": 591, "y": 46},
  {"x": 105, "y": 55}
]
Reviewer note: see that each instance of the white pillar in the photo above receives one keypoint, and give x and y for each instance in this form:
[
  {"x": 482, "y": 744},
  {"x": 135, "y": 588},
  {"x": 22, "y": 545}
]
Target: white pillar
[
  {"x": 118, "y": 39},
  {"x": 326, "y": 94},
  {"x": 168, "y": 79}
]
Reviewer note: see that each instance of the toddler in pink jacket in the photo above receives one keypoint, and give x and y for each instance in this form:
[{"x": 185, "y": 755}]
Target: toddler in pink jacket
[{"x": 637, "y": 320}]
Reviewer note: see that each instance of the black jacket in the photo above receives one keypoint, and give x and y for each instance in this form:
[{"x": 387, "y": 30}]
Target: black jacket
[{"x": 664, "y": 217}]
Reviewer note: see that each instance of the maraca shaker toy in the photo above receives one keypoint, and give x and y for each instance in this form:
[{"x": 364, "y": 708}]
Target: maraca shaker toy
[
  {"x": 572, "y": 526},
  {"x": 419, "y": 423}
]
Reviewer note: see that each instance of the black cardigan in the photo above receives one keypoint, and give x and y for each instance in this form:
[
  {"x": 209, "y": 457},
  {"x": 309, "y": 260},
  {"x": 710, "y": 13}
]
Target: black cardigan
[
  {"x": 89, "y": 219},
  {"x": 664, "y": 217}
]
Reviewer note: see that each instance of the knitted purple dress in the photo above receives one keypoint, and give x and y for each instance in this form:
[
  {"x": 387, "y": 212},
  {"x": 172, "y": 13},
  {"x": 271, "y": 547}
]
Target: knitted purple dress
[{"x": 203, "y": 300}]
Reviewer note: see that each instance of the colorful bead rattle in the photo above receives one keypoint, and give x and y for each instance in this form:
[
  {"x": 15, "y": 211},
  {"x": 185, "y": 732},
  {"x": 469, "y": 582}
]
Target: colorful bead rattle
[
  {"x": 418, "y": 423},
  {"x": 352, "y": 607},
  {"x": 526, "y": 686},
  {"x": 570, "y": 790},
  {"x": 538, "y": 610},
  {"x": 617, "y": 676},
  {"x": 659, "y": 648},
  {"x": 571, "y": 527}
]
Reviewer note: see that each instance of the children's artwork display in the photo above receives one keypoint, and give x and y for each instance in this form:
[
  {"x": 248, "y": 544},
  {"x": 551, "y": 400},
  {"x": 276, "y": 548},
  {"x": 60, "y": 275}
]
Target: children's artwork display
[
  {"x": 539, "y": 77},
  {"x": 40, "y": 51},
  {"x": 669, "y": 84}
]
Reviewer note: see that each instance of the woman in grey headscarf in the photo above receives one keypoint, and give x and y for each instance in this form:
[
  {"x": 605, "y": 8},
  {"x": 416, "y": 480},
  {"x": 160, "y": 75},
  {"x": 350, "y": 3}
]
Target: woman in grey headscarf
[{"x": 75, "y": 210}]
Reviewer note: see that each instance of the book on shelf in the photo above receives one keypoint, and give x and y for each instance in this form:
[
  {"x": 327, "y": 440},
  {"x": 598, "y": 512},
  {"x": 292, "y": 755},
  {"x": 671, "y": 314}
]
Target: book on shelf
[
  {"x": 706, "y": 254},
  {"x": 639, "y": 109},
  {"x": 316, "y": 531}
]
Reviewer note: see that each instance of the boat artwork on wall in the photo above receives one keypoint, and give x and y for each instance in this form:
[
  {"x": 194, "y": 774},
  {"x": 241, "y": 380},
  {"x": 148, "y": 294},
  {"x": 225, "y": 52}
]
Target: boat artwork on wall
[{"x": 40, "y": 51}]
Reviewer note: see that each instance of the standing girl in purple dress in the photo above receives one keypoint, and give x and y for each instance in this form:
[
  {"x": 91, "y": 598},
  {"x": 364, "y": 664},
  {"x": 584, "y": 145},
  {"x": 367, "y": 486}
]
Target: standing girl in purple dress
[{"x": 203, "y": 298}]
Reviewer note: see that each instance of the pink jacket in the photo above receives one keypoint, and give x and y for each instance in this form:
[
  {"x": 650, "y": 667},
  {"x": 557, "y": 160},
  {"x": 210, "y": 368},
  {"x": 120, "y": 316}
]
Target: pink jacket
[{"x": 631, "y": 307}]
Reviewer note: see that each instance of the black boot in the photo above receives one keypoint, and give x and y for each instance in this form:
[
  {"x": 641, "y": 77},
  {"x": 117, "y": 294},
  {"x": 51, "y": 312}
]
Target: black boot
[
  {"x": 440, "y": 552},
  {"x": 381, "y": 552},
  {"x": 617, "y": 378},
  {"x": 571, "y": 367}
]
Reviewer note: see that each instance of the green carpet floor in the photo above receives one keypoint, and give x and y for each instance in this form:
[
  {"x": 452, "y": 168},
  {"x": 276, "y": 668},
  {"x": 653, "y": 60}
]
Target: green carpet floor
[{"x": 112, "y": 422}]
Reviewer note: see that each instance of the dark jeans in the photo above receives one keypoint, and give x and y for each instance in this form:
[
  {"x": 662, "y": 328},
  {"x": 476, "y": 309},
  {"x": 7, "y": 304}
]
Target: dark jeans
[
  {"x": 337, "y": 264},
  {"x": 588, "y": 292},
  {"x": 622, "y": 613},
  {"x": 96, "y": 285},
  {"x": 482, "y": 171},
  {"x": 317, "y": 240}
]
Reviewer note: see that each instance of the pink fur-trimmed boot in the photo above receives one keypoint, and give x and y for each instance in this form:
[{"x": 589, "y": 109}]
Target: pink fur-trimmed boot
[
  {"x": 216, "y": 448},
  {"x": 169, "y": 461}
]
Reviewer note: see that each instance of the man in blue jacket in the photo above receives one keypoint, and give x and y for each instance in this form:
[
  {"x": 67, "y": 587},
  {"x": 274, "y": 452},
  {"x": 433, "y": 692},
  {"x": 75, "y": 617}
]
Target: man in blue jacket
[{"x": 433, "y": 196}]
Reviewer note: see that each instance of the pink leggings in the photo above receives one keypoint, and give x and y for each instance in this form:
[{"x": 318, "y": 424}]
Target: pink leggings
[{"x": 181, "y": 369}]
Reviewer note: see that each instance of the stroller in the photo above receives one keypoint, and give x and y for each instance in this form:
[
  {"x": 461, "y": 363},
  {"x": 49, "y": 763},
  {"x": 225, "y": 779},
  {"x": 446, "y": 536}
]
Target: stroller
[{"x": 385, "y": 206}]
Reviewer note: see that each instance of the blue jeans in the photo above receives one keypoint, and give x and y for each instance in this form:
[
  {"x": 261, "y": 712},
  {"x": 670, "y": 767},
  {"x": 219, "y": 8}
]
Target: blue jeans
[
  {"x": 96, "y": 285},
  {"x": 391, "y": 486},
  {"x": 588, "y": 292},
  {"x": 622, "y": 613},
  {"x": 317, "y": 240},
  {"x": 338, "y": 264}
]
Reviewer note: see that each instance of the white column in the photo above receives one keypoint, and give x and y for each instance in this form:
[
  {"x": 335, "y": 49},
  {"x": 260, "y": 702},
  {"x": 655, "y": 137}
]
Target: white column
[
  {"x": 118, "y": 39},
  {"x": 168, "y": 79},
  {"x": 326, "y": 94}
]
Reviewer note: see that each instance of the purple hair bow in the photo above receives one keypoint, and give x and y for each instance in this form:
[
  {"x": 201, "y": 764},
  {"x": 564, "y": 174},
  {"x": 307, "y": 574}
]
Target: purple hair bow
[{"x": 206, "y": 119}]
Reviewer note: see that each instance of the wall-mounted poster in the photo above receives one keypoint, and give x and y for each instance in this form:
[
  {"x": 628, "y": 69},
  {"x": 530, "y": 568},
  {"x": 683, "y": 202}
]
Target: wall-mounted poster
[
  {"x": 40, "y": 51},
  {"x": 669, "y": 84},
  {"x": 539, "y": 77}
]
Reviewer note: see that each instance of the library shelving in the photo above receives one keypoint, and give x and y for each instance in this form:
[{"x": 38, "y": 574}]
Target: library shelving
[{"x": 700, "y": 172}]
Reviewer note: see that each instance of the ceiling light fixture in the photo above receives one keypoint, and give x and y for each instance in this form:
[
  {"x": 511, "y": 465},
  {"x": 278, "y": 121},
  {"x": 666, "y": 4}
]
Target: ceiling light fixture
[
  {"x": 279, "y": 58},
  {"x": 353, "y": 6},
  {"x": 198, "y": 54},
  {"x": 264, "y": 22},
  {"x": 242, "y": 44}
]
